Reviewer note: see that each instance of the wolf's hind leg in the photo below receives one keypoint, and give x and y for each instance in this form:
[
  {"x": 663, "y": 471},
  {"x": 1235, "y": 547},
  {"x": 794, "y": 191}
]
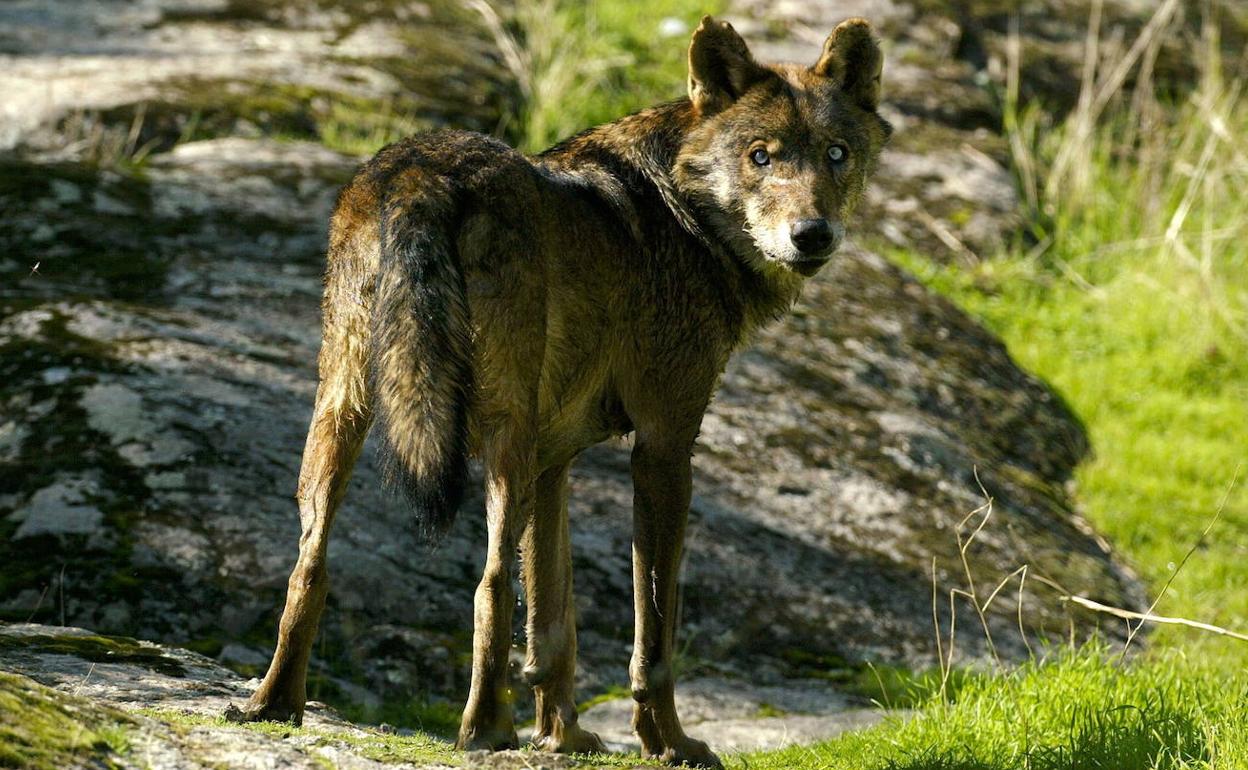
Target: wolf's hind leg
[
  {"x": 550, "y": 665},
  {"x": 340, "y": 422}
]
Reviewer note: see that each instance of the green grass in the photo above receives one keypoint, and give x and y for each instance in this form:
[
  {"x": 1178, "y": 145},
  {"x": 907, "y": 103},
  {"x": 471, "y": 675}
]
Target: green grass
[
  {"x": 1078, "y": 710},
  {"x": 649, "y": 67},
  {"x": 437, "y": 718},
  {"x": 583, "y": 64},
  {"x": 1163, "y": 389}
]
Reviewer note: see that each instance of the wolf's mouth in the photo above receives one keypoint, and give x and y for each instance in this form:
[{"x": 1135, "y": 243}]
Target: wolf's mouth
[{"x": 808, "y": 266}]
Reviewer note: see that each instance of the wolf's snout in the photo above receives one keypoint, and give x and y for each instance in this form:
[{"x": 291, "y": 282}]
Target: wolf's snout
[{"x": 812, "y": 237}]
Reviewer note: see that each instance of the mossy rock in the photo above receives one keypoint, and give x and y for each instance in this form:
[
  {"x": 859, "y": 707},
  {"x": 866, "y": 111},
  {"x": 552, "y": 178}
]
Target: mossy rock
[
  {"x": 44, "y": 729},
  {"x": 98, "y": 649}
]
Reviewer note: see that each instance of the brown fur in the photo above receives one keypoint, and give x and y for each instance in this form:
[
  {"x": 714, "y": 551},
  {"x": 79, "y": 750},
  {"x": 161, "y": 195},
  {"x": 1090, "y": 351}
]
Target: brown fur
[{"x": 520, "y": 310}]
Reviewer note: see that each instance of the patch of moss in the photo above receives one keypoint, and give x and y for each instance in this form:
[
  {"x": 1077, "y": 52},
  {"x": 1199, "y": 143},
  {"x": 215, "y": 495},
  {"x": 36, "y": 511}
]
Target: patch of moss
[
  {"x": 893, "y": 687},
  {"x": 823, "y": 666},
  {"x": 42, "y": 729},
  {"x": 209, "y": 647},
  {"x": 267, "y": 11},
  {"x": 97, "y": 649},
  {"x": 768, "y": 711}
]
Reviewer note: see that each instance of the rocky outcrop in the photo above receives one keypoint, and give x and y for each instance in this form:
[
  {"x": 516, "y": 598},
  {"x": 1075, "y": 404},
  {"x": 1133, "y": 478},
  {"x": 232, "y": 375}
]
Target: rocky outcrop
[
  {"x": 158, "y": 328},
  {"x": 75, "y": 699}
]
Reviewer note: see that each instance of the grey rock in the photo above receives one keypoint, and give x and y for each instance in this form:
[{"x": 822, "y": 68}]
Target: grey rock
[
  {"x": 12, "y": 434},
  {"x": 152, "y": 696},
  {"x": 117, "y": 412},
  {"x": 60, "y": 509},
  {"x": 62, "y": 58}
]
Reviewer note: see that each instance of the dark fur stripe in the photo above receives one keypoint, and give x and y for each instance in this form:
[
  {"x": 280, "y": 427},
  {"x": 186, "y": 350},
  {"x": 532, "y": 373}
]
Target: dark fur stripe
[{"x": 420, "y": 359}]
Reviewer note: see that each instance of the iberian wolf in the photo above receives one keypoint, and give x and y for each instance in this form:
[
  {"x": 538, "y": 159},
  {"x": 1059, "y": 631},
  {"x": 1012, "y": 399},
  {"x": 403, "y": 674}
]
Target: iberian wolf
[{"x": 518, "y": 309}]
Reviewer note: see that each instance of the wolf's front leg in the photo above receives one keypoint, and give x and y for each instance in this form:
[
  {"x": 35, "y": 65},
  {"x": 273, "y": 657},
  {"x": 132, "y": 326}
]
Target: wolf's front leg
[
  {"x": 661, "y": 491},
  {"x": 510, "y": 458}
]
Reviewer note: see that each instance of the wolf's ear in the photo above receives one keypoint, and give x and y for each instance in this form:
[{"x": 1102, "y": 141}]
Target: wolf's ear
[
  {"x": 721, "y": 67},
  {"x": 852, "y": 56}
]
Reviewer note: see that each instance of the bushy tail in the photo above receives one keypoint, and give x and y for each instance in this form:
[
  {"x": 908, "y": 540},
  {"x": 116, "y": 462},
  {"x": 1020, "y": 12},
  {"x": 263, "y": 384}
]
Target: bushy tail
[{"x": 420, "y": 352}]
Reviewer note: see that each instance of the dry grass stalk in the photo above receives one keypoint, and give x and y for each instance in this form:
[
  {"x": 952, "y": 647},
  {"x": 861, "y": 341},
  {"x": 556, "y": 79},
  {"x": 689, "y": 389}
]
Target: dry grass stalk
[{"x": 1149, "y": 617}]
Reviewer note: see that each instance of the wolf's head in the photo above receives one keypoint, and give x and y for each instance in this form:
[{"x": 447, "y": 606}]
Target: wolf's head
[{"x": 780, "y": 155}]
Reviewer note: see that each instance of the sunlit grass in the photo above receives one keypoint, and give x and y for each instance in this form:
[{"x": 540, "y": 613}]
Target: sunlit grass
[
  {"x": 1082, "y": 709},
  {"x": 577, "y": 65}
]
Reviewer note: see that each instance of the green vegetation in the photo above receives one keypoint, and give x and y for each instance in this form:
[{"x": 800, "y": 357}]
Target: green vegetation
[
  {"x": 614, "y": 692},
  {"x": 43, "y": 729},
  {"x": 433, "y": 717},
  {"x": 1079, "y": 710},
  {"x": 559, "y": 67},
  {"x": 1134, "y": 306},
  {"x": 593, "y": 62}
]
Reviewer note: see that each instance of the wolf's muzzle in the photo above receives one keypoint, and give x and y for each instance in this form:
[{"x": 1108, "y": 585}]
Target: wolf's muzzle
[
  {"x": 816, "y": 240},
  {"x": 812, "y": 237}
]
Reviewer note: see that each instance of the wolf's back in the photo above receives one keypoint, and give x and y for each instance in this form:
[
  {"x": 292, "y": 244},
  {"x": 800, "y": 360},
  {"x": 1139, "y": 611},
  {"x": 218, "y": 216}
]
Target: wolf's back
[{"x": 420, "y": 353}]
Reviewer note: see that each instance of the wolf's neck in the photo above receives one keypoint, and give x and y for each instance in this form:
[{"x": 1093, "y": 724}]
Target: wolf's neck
[
  {"x": 652, "y": 141},
  {"x": 639, "y": 151}
]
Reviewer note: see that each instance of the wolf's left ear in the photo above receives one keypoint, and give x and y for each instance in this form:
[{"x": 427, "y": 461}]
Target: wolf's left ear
[
  {"x": 852, "y": 56},
  {"x": 721, "y": 67}
]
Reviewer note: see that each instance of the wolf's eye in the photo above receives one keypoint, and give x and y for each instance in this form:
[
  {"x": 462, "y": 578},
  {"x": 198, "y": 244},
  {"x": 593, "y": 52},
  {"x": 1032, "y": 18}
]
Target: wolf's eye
[
  {"x": 760, "y": 157},
  {"x": 837, "y": 153}
]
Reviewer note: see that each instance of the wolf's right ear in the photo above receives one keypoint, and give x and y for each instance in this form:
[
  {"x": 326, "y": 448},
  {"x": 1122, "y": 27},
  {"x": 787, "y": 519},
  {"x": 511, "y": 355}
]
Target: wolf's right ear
[{"x": 721, "y": 67}]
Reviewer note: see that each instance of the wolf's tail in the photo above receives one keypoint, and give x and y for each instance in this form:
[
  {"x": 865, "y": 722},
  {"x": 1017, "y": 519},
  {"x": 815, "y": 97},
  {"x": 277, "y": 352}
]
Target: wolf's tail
[{"x": 421, "y": 356}]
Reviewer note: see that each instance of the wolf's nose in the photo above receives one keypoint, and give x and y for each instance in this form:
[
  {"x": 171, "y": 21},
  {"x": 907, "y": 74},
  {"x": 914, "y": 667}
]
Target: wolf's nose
[{"x": 811, "y": 236}]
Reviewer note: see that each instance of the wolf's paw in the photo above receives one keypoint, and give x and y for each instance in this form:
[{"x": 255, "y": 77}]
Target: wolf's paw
[
  {"x": 570, "y": 740},
  {"x": 692, "y": 752},
  {"x": 487, "y": 739},
  {"x": 263, "y": 712}
]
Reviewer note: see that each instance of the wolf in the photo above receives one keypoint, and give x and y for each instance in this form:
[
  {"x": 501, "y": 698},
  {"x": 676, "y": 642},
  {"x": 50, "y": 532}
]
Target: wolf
[{"x": 481, "y": 303}]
